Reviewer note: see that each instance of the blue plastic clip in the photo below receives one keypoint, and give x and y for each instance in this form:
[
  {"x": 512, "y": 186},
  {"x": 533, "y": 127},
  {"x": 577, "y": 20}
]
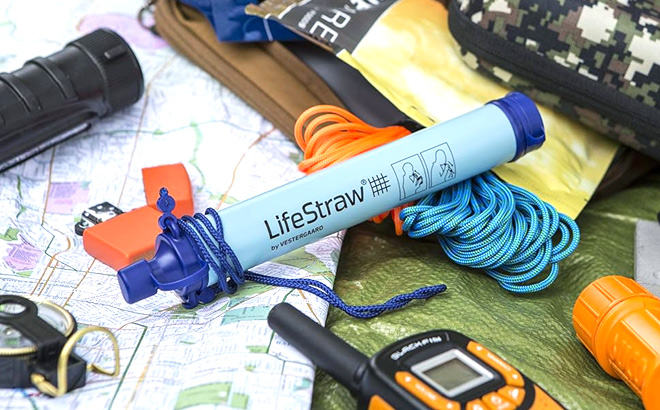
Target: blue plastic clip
[{"x": 176, "y": 265}]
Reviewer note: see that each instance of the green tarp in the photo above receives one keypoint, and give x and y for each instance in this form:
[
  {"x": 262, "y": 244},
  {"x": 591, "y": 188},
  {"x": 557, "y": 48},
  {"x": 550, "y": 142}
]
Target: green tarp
[{"x": 533, "y": 332}]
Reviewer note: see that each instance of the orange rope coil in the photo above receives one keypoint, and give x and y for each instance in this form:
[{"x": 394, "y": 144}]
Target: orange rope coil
[{"x": 328, "y": 135}]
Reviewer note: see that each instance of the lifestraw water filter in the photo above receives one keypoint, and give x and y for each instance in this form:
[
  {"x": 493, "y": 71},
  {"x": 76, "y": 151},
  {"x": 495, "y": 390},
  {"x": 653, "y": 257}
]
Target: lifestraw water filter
[{"x": 283, "y": 219}]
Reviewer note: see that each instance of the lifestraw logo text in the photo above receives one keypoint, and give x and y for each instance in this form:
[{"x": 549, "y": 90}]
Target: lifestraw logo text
[{"x": 312, "y": 211}]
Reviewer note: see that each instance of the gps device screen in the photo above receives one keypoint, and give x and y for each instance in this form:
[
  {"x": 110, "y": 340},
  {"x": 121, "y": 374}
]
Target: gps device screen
[{"x": 452, "y": 374}]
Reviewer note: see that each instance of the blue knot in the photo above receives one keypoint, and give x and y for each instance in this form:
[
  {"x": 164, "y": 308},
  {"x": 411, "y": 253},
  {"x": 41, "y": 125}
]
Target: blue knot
[{"x": 167, "y": 221}]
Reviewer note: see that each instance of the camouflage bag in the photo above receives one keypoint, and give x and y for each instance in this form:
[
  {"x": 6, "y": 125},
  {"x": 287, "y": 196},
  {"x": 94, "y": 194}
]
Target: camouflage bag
[{"x": 596, "y": 61}]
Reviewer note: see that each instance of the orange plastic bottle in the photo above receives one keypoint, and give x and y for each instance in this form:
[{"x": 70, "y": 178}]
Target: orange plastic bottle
[{"x": 619, "y": 322}]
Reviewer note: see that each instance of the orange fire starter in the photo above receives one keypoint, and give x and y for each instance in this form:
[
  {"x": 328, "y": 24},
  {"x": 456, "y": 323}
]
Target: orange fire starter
[{"x": 129, "y": 237}]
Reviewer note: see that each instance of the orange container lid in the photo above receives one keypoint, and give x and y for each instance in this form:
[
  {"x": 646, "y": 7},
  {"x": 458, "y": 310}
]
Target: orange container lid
[
  {"x": 175, "y": 178},
  {"x": 124, "y": 239}
]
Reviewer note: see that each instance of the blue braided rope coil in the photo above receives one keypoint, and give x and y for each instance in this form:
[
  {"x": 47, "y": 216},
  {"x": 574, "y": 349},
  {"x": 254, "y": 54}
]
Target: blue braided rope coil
[{"x": 485, "y": 223}]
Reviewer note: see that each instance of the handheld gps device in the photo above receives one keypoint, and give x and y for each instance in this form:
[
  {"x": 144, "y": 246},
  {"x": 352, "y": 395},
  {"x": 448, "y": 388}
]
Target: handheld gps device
[{"x": 439, "y": 370}]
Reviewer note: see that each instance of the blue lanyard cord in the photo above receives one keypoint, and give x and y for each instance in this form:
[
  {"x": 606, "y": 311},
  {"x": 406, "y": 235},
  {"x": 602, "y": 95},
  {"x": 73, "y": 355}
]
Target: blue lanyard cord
[
  {"x": 329, "y": 295},
  {"x": 488, "y": 224},
  {"x": 212, "y": 247}
]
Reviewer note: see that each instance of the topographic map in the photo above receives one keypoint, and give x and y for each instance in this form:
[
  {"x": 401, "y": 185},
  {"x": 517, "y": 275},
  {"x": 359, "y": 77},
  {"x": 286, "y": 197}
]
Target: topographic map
[{"x": 221, "y": 355}]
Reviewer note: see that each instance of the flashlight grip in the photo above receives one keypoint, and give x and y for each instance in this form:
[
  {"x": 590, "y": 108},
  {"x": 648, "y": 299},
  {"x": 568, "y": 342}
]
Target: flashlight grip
[
  {"x": 339, "y": 359},
  {"x": 51, "y": 99},
  {"x": 618, "y": 321}
]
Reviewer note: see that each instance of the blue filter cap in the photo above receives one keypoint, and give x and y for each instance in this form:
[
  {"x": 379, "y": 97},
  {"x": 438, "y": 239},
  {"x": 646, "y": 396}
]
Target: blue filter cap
[
  {"x": 525, "y": 120},
  {"x": 135, "y": 281},
  {"x": 175, "y": 266}
]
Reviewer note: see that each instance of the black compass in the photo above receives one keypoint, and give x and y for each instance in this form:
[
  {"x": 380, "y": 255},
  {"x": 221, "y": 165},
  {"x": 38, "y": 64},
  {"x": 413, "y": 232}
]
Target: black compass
[{"x": 37, "y": 338}]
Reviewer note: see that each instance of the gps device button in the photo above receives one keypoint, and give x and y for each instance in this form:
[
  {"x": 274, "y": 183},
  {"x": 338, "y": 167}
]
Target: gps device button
[
  {"x": 496, "y": 402},
  {"x": 378, "y": 403},
  {"x": 510, "y": 374},
  {"x": 425, "y": 393},
  {"x": 476, "y": 405},
  {"x": 513, "y": 394}
]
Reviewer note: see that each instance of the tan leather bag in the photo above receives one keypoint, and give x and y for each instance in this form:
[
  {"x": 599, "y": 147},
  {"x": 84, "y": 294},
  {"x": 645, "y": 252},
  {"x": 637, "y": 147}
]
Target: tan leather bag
[{"x": 265, "y": 75}]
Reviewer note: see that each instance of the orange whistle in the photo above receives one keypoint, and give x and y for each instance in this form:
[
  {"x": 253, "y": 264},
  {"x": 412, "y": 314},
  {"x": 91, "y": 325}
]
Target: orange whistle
[{"x": 619, "y": 323}]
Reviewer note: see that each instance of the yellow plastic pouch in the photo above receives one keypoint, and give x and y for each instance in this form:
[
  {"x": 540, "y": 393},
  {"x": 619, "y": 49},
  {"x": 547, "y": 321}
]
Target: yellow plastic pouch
[{"x": 404, "y": 48}]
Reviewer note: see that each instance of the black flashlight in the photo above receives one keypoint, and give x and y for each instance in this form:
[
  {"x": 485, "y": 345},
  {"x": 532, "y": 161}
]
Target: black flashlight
[{"x": 51, "y": 99}]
